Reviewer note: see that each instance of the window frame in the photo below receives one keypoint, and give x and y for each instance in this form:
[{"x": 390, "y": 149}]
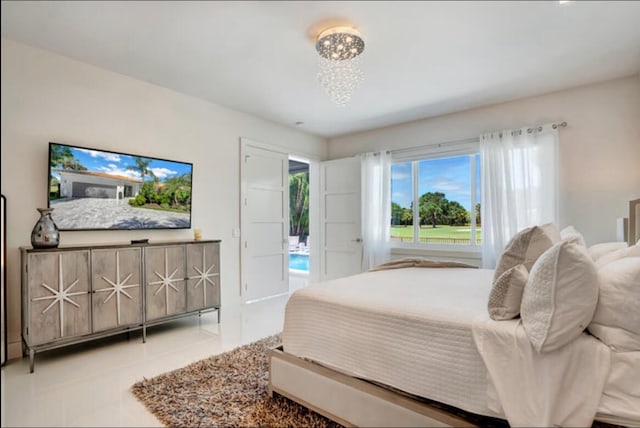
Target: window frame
[{"x": 470, "y": 147}]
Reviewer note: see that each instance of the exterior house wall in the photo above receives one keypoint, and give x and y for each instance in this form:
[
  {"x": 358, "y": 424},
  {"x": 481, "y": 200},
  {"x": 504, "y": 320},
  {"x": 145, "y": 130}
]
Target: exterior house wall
[{"x": 68, "y": 178}]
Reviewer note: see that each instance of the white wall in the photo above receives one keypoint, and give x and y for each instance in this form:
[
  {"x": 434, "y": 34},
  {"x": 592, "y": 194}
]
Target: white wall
[
  {"x": 47, "y": 97},
  {"x": 599, "y": 150}
]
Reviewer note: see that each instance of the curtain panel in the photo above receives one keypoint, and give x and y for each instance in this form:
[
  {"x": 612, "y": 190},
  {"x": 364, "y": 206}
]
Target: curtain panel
[
  {"x": 376, "y": 208},
  {"x": 519, "y": 185}
]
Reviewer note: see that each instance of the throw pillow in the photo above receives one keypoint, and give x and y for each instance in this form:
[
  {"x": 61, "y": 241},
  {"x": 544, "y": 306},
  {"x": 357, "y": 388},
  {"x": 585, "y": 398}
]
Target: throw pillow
[
  {"x": 526, "y": 246},
  {"x": 598, "y": 250},
  {"x": 506, "y": 294},
  {"x": 616, "y": 321},
  {"x": 633, "y": 251},
  {"x": 570, "y": 233},
  {"x": 560, "y": 296}
]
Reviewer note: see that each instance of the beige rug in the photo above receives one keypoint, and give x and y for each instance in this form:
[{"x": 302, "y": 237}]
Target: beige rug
[{"x": 229, "y": 389}]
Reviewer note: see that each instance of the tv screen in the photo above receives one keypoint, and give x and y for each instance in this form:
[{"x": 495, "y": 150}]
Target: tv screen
[{"x": 92, "y": 189}]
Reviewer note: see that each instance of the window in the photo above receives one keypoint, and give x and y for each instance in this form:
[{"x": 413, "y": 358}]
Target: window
[{"x": 435, "y": 201}]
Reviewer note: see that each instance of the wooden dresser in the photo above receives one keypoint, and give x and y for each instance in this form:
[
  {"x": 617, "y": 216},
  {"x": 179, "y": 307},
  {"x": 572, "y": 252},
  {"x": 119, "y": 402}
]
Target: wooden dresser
[{"x": 79, "y": 293}]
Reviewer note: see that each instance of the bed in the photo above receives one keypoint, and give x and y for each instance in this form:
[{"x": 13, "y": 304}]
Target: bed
[{"x": 397, "y": 348}]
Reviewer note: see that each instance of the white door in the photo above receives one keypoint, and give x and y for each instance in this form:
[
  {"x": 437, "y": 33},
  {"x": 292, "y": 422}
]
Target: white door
[
  {"x": 340, "y": 219},
  {"x": 264, "y": 222}
]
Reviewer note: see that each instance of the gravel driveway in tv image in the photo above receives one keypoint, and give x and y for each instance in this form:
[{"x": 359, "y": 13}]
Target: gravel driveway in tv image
[{"x": 99, "y": 213}]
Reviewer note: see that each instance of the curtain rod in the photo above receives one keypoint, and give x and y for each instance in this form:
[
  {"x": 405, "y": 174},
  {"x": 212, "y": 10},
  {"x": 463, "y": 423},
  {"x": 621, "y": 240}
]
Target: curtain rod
[
  {"x": 554, "y": 126},
  {"x": 446, "y": 143},
  {"x": 537, "y": 129},
  {"x": 562, "y": 124}
]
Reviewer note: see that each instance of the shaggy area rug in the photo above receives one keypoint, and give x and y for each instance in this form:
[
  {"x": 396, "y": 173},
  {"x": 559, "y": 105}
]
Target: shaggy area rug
[{"x": 229, "y": 389}]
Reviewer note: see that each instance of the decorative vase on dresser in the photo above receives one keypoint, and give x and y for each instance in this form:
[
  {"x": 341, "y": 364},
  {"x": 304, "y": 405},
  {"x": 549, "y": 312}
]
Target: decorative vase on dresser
[
  {"x": 80, "y": 293},
  {"x": 45, "y": 233}
]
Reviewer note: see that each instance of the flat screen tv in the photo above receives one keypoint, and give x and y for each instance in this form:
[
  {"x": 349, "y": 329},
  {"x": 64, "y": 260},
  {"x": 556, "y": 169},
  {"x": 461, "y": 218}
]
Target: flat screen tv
[{"x": 91, "y": 189}]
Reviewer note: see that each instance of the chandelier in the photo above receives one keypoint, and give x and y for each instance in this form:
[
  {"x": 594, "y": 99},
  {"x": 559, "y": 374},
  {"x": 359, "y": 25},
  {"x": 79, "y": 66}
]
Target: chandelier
[{"x": 340, "y": 74}]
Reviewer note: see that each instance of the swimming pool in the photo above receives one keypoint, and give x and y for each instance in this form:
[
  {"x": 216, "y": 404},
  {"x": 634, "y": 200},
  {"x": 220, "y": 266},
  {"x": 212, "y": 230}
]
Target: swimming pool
[{"x": 299, "y": 261}]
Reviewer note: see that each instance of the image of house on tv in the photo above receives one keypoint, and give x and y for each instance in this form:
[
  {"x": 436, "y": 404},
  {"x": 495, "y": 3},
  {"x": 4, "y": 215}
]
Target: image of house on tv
[{"x": 91, "y": 184}]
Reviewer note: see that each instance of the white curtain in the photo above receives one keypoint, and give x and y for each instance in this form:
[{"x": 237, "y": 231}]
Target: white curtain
[
  {"x": 376, "y": 208},
  {"x": 519, "y": 185}
]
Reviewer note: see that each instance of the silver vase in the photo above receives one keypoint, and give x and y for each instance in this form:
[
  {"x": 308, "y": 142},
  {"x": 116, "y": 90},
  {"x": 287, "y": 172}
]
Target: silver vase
[{"x": 45, "y": 233}]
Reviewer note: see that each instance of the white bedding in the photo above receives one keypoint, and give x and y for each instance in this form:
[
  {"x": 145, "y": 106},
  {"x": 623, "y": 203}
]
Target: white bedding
[
  {"x": 562, "y": 387},
  {"x": 411, "y": 329},
  {"x": 406, "y": 328}
]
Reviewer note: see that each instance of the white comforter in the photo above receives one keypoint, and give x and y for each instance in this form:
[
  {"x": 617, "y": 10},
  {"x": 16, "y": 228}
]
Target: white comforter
[
  {"x": 559, "y": 388},
  {"x": 405, "y": 328},
  {"x": 427, "y": 332}
]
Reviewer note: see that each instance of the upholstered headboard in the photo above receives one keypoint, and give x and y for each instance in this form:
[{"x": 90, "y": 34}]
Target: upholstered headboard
[{"x": 634, "y": 221}]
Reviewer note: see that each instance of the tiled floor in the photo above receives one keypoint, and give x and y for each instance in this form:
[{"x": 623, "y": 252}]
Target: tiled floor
[{"x": 88, "y": 384}]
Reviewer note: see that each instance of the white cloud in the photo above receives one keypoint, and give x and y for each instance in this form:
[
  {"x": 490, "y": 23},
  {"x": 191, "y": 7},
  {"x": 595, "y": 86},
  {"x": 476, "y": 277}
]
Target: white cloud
[
  {"x": 112, "y": 157},
  {"x": 115, "y": 170},
  {"x": 400, "y": 175},
  {"x": 162, "y": 173},
  {"x": 447, "y": 186}
]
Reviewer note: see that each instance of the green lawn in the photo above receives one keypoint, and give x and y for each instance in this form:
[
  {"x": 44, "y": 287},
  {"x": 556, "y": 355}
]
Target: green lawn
[{"x": 439, "y": 233}]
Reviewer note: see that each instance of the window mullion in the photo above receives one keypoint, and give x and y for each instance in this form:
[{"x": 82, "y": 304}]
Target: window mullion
[
  {"x": 416, "y": 200},
  {"x": 473, "y": 199}
]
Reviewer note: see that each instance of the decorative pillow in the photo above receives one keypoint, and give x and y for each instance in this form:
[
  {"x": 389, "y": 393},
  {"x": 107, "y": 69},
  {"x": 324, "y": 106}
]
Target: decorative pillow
[
  {"x": 560, "y": 296},
  {"x": 570, "y": 233},
  {"x": 506, "y": 294},
  {"x": 526, "y": 246},
  {"x": 633, "y": 251},
  {"x": 598, "y": 250},
  {"x": 617, "y": 318}
]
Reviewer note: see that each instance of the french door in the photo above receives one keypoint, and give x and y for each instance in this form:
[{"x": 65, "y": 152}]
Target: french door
[
  {"x": 264, "y": 221},
  {"x": 340, "y": 219}
]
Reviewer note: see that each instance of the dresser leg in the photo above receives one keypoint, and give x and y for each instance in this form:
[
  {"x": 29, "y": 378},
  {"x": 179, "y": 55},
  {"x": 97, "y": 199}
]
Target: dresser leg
[
  {"x": 32, "y": 360},
  {"x": 144, "y": 334},
  {"x": 218, "y": 315}
]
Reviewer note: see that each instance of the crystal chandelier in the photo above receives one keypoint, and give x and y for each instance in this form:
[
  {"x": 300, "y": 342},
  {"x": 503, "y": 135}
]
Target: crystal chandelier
[{"x": 340, "y": 74}]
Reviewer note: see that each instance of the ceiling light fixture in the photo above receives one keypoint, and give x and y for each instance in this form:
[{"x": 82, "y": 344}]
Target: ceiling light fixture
[{"x": 340, "y": 73}]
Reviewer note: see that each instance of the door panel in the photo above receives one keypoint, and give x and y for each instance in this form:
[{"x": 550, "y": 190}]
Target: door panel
[
  {"x": 60, "y": 296},
  {"x": 340, "y": 208},
  {"x": 264, "y": 222},
  {"x": 203, "y": 270},
  {"x": 117, "y": 290},
  {"x": 262, "y": 241},
  {"x": 165, "y": 279},
  {"x": 265, "y": 205},
  {"x": 268, "y": 275},
  {"x": 341, "y": 237},
  {"x": 342, "y": 174}
]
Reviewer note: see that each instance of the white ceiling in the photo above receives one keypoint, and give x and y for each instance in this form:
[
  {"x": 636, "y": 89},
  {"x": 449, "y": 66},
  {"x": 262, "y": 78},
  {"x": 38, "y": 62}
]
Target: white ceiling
[{"x": 421, "y": 59}]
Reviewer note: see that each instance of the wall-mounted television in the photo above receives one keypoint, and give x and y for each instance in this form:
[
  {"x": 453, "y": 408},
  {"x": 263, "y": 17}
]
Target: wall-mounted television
[{"x": 91, "y": 189}]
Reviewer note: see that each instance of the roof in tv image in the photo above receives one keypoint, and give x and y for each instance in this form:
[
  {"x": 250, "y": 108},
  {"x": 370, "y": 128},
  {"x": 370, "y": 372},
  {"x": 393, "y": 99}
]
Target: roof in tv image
[{"x": 93, "y": 189}]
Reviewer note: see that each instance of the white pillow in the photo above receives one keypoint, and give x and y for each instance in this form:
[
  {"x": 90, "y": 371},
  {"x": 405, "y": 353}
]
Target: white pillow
[
  {"x": 617, "y": 318},
  {"x": 633, "y": 251},
  {"x": 525, "y": 247},
  {"x": 598, "y": 250},
  {"x": 506, "y": 295},
  {"x": 560, "y": 296},
  {"x": 570, "y": 233}
]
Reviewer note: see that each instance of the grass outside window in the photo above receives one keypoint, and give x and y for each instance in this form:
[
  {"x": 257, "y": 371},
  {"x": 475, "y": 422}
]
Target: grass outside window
[{"x": 441, "y": 234}]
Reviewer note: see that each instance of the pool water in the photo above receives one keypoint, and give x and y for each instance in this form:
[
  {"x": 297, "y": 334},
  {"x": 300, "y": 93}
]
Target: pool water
[{"x": 299, "y": 261}]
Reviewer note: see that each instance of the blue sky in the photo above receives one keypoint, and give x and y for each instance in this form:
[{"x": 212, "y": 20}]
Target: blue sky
[
  {"x": 116, "y": 164},
  {"x": 450, "y": 176}
]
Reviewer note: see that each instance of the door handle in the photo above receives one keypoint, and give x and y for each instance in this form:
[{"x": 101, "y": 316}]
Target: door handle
[{"x": 357, "y": 240}]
